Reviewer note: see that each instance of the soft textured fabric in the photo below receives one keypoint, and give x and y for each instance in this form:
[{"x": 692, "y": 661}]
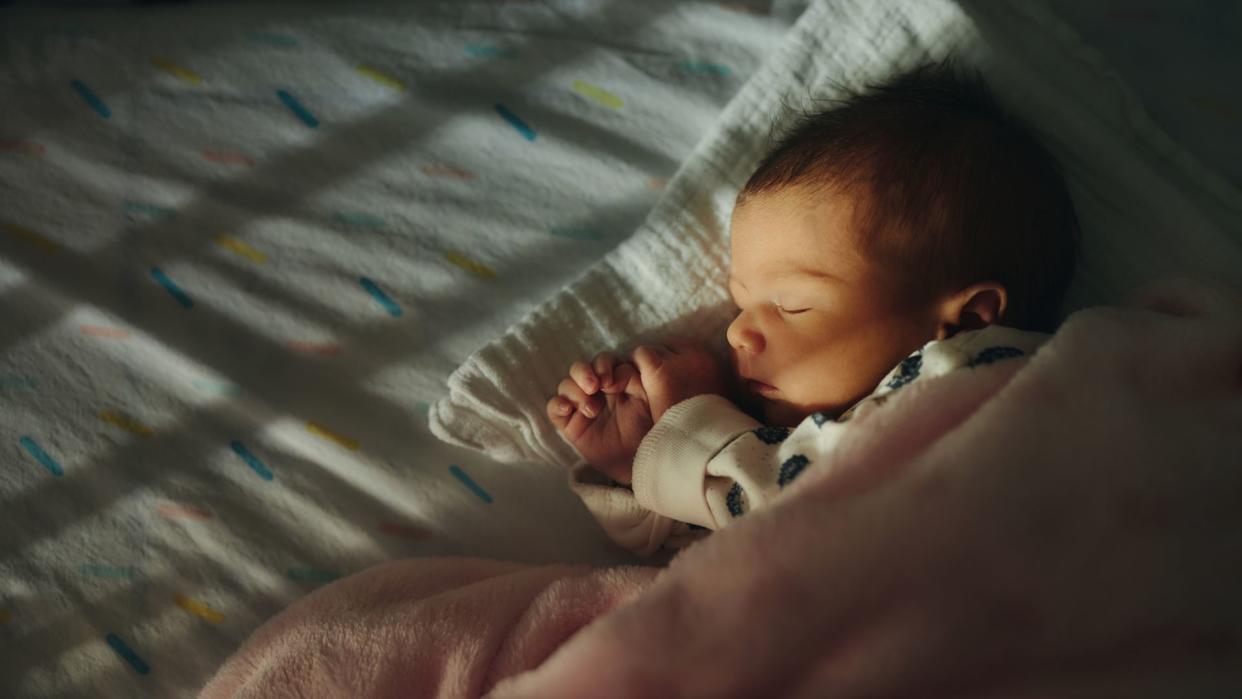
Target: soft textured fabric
[
  {"x": 445, "y": 627},
  {"x": 1066, "y": 526},
  {"x": 1147, "y": 208}
]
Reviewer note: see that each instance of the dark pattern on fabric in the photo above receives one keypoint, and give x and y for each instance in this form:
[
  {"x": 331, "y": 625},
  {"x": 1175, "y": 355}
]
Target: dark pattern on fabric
[
  {"x": 734, "y": 500},
  {"x": 791, "y": 468},
  {"x": 820, "y": 419},
  {"x": 907, "y": 371},
  {"x": 772, "y": 435},
  {"x": 995, "y": 354}
]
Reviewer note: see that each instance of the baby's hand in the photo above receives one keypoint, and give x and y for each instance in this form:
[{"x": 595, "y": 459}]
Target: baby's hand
[
  {"x": 676, "y": 371},
  {"x": 602, "y": 410}
]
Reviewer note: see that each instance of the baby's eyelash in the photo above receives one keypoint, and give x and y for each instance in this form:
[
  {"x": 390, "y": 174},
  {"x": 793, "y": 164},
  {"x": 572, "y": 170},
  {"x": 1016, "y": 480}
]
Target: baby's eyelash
[{"x": 794, "y": 311}]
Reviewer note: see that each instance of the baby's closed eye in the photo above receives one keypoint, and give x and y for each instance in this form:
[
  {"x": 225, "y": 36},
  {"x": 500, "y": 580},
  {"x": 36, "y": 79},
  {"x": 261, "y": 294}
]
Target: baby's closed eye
[{"x": 790, "y": 311}]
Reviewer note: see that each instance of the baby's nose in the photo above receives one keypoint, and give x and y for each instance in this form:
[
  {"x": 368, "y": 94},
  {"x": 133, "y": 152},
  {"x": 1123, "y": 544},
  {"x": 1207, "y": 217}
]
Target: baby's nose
[{"x": 743, "y": 337}]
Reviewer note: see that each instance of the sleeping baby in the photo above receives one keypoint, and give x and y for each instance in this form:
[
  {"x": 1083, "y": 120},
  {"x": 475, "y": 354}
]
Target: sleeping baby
[{"x": 911, "y": 230}]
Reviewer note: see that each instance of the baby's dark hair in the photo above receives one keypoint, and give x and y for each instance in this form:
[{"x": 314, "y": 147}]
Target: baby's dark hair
[{"x": 949, "y": 190}]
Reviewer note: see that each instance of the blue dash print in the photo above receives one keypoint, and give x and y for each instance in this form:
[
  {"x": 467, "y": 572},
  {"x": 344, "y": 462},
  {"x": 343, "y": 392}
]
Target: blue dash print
[
  {"x": 41, "y": 456},
  {"x": 296, "y": 107},
  {"x": 171, "y": 287},
  {"x": 522, "y": 127},
  {"x": 92, "y": 100},
  {"x": 251, "y": 460},
  {"x": 378, "y": 294},
  {"x": 469, "y": 483},
  {"x": 127, "y": 654},
  {"x": 705, "y": 68}
]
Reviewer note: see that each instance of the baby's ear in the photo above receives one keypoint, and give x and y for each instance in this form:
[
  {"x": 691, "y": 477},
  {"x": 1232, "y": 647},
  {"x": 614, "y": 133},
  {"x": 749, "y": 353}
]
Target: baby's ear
[{"x": 973, "y": 308}]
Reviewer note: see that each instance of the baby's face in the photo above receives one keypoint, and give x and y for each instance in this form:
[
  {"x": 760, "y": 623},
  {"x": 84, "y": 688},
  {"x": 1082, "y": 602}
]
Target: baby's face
[{"x": 817, "y": 326}]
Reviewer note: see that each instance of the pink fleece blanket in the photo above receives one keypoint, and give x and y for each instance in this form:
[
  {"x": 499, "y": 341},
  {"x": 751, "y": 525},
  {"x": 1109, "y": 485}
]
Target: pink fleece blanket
[{"x": 1069, "y": 526}]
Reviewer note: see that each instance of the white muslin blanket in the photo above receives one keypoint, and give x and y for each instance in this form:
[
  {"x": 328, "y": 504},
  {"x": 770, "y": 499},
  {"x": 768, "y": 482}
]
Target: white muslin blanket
[{"x": 1147, "y": 208}]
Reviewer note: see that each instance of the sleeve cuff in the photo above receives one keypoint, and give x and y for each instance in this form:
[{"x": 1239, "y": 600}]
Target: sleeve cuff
[
  {"x": 670, "y": 467},
  {"x": 625, "y": 521}
]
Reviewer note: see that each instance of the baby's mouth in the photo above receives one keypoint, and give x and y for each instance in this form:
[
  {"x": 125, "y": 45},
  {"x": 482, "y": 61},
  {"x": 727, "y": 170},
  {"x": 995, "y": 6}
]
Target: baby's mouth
[
  {"x": 754, "y": 387},
  {"x": 761, "y": 388}
]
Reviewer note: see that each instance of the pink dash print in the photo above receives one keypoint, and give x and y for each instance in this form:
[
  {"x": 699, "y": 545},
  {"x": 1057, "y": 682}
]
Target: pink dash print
[
  {"x": 449, "y": 171},
  {"x": 173, "y": 511},
  {"x": 17, "y": 145},
  {"x": 104, "y": 331},
  {"x": 228, "y": 157}
]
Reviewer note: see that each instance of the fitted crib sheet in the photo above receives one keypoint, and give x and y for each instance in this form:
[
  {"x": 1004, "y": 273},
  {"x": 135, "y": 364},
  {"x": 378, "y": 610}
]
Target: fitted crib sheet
[{"x": 240, "y": 251}]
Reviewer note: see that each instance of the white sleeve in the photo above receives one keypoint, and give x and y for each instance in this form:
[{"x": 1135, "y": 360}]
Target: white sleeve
[
  {"x": 625, "y": 521},
  {"x": 706, "y": 462}
]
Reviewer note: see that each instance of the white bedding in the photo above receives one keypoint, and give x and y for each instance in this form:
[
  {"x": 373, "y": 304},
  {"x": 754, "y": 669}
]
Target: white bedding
[
  {"x": 1147, "y": 207},
  {"x": 240, "y": 252}
]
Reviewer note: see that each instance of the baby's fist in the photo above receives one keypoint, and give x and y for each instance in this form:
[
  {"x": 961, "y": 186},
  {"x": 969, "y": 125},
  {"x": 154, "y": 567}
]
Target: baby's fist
[
  {"x": 677, "y": 371},
  {"x": 601, "y": 409}
]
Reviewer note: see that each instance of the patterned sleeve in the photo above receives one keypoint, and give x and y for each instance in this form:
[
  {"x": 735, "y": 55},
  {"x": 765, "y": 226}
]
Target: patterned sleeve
[{"x": 707, "y": 463}]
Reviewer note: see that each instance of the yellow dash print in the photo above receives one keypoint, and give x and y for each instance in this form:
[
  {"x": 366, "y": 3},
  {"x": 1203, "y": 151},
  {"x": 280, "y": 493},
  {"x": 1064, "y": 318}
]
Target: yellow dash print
[
  {"x": 321, "y": 431},
  {"x": 30, "y": 236},
  {"x": 381, "y": 78},
  {"x": 228, "y": 242},
  {"x": 126, "y": 423},
  {"x": 199, "y": 609},
  {"x": 598, "y": 94},
  {"x": 178, "y": 71},
  {"x": 470, "y": 265}
]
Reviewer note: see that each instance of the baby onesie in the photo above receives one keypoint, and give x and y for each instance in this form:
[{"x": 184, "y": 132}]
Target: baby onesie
[{"x": 706, "y": 463}]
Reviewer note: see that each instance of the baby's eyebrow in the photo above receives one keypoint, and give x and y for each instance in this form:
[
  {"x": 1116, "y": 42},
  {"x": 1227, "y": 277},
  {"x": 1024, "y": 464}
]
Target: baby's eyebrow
[{"x": 818, "y": 274}]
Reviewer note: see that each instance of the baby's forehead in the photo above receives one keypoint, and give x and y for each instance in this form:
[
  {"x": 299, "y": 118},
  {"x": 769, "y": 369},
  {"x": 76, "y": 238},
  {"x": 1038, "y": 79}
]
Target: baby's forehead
[
  {"x": 791, "y": 229},
  {"x": 746, "y": 270}
]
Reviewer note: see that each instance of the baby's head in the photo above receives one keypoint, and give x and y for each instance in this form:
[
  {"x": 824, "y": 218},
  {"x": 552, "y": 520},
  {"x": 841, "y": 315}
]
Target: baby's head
[{"x": 905, "y": 214}]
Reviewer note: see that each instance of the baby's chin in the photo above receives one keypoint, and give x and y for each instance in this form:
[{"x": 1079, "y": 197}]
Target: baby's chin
[
  {"x": 771, "y": 411},
  {"x": 775, "y": 413}
]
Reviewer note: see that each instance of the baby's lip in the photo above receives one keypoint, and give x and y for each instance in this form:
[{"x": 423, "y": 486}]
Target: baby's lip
[
  {"x": 760, "y": 387},
  {"x": 750, "y": 382}
]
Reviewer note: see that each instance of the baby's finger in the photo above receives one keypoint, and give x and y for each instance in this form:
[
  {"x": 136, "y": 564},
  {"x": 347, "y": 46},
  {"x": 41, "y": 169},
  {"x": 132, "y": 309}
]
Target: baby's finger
[
  {"x": 648, "y": 358},
  {"x": 560, "y": 411},
  {"x": 569, "y": 390},
  {"x": 589, "y": 406},
  {"x": 628, "y": 381},
  {"x": 604, "y": 364},
  {"x": 584, "y": 376}
]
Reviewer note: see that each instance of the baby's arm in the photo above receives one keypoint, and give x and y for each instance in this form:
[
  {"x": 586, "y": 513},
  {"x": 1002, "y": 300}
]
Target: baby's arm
[
  {"x": 602, "y": 409},
  {"x": 697, "y": 464},
  {"x": 707, "y": 463}
]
